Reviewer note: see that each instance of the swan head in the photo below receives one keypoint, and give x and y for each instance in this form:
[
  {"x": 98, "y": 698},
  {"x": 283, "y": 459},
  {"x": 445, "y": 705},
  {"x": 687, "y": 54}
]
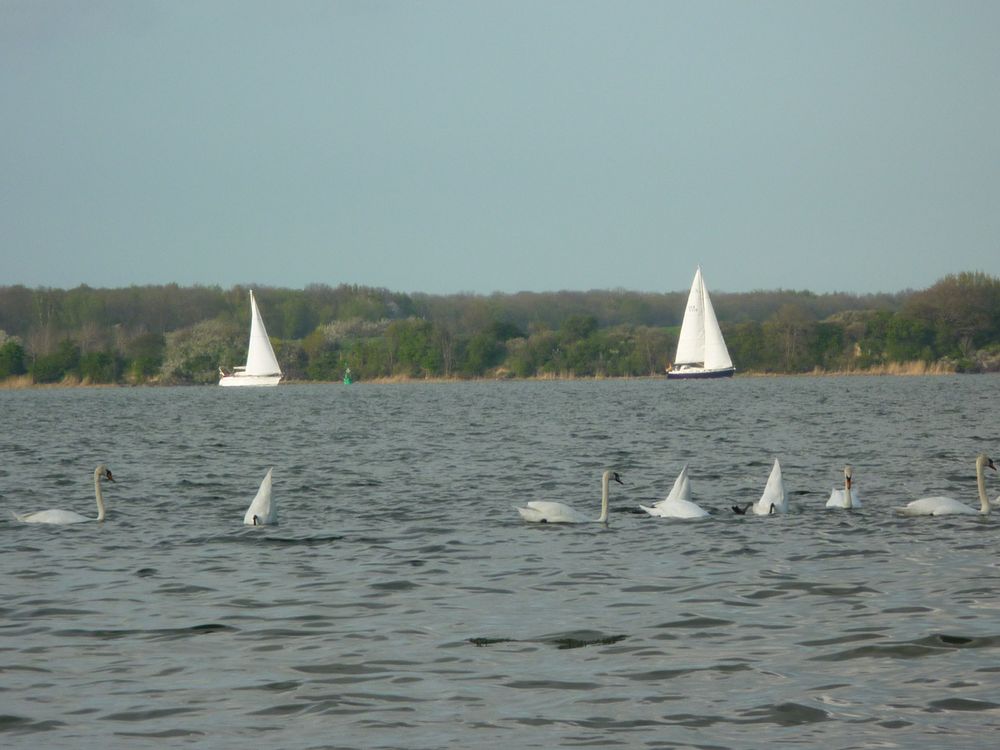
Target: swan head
[
  {"x": 848, "y": 474},
  {"x": 985, "y": 462},
  {"x": 103, "y": 472}
]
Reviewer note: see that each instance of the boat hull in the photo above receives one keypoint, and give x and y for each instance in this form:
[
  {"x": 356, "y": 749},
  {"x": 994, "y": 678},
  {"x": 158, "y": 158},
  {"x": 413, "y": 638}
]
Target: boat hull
[
  {"x": 249, "y": 380},
  {"x": 699, "y": 374}
]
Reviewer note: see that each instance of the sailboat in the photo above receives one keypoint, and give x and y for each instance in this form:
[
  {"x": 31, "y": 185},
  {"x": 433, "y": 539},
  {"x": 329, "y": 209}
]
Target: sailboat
[
  {"x": 701, "y": 350},
  {"x": 262, "y": 366}
]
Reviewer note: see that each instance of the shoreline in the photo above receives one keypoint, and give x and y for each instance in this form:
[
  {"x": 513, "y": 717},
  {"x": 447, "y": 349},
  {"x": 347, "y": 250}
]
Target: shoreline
[{"x": 23, "y": 382}]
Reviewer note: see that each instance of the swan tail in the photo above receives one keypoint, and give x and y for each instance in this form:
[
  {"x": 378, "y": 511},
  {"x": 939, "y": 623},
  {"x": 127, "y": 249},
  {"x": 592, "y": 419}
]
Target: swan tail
[{"x": 530, "y": 514}]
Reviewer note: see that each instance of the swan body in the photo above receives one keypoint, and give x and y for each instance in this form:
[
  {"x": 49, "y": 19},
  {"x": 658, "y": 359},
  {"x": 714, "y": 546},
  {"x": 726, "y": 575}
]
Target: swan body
[
  {"x": 678, "y": 503},
  {"x": 845, "y": 498},
  {"x": 69, "y": 516},
  {"x": 773, "y": 501},
  {"x": 262, "y": 510},
  {"x": 545, "y": 511},
  {"x": 946, "y": 506}
]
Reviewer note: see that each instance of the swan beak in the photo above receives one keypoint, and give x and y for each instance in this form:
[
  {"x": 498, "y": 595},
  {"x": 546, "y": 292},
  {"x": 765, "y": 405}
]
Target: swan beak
[
  {"x": 618, "y": 478},
  {"x": 107, "y": 475},
  {"x": 989, "y": 462}
]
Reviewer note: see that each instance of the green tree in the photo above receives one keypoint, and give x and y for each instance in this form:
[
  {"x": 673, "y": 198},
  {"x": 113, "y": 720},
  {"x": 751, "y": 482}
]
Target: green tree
[
  {"x": 747, "y": 347},
  {"x": 55, "y": 367},
  {"x": 908, "y": 339},
  {"x": 577, "y": 327},
  {"x": 487, "y": 349},
  {"x": 793, "y": 330},
  {"x": 100, "y": 367},
  {"x": 872, "y": 345},
  {"x": 412, "y": 347},
  {"x": 829, "y": 347},
  {"x": 145, "y": 355},
  {"x": 12, "y": 359}
]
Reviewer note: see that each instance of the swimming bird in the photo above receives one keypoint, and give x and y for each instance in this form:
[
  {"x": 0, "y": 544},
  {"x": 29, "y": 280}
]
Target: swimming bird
[
  {"x": 262, "y": 510},
  {"x": 545, "y": 511},
  {"x": 678, "y": 503},
  {"x": 69, "y": 516},
  {"x": 845, "y": 498},
  {"x": 943, "y": 506},
  {"x": 773, "y": 500}
]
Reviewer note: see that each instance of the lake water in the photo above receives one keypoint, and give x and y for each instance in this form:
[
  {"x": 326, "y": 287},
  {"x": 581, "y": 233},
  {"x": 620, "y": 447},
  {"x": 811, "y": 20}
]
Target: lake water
[{"x": 402, "y": 603}]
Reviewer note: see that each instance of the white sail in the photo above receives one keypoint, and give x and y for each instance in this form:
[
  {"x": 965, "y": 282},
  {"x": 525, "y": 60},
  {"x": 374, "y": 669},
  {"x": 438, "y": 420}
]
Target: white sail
[
  {"x": 716, "y": 354},
  {"x": 691, "y": 345},
  {"x": 260, "y": 354},
  {"x": 262, "y": 366},
  {"x": 701, "y": 350}
]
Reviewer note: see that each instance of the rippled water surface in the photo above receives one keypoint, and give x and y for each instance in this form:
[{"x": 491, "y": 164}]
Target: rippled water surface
[{"x": 402, "y": 603}]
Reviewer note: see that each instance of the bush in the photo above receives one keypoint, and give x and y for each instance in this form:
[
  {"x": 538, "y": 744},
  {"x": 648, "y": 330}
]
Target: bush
[
  {"x": 12, "y": 360},
  {"x": 52, "y": 368}
]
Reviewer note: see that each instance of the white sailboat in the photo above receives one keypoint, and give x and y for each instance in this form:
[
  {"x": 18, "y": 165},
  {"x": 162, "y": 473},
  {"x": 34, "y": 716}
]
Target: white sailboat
[
  {"x": 262, "y": 366},
  {"x": 701, "y": 350}
]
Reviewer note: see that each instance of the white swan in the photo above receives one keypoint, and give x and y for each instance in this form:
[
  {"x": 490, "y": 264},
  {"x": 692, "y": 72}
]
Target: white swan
[
  {"x": 678, "y": 503},
  {"x": 69, "y": 516},
  {"x": 262, "y": 510},
  {"x": 544, "y": 511},
  {"x": 847, "y": 497},
  {"x": 943, "y": 506},
  {"x": 773, "y": 500}
]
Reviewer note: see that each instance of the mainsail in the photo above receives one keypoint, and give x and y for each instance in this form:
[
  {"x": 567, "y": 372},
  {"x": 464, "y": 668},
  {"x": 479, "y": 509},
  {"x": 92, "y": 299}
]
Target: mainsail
[{"x": 260, "y": 354}]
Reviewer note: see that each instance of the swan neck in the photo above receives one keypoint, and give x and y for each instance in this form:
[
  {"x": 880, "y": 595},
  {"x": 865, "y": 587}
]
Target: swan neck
[
  {"x": 604, "y": 498},
  {"x": 98, "y": 495},
  {"x": 984, "y": 501},
  {"x": 848, "y": 501}
]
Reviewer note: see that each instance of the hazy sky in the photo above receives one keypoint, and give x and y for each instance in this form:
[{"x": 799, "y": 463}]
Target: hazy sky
[{"x": 499, "y": 146}]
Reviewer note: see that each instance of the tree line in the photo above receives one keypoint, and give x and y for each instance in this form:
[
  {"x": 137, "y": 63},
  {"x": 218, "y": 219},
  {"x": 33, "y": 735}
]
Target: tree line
[{"x": 181, "y": 335}]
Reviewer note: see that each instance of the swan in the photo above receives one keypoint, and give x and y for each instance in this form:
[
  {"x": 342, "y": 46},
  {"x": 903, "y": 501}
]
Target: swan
[
  {"x": 678, "y": 503},
  {"x": 845, "y": 498},
  {"x": 942, "y": 506},
  {"x": 68, "y": 516},
  {"x": 262, "y": 510},
  {"x": 544, "y": 511},
  {"x": 773, "y": 500}
]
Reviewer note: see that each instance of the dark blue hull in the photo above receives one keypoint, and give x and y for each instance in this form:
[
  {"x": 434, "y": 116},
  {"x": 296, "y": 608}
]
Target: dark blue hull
[{"x": 704, "y": 375}]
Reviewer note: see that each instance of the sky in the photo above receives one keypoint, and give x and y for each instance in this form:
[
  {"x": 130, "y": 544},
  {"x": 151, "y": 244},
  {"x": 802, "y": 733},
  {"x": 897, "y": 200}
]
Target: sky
[{"x": 480, "y": 146}]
